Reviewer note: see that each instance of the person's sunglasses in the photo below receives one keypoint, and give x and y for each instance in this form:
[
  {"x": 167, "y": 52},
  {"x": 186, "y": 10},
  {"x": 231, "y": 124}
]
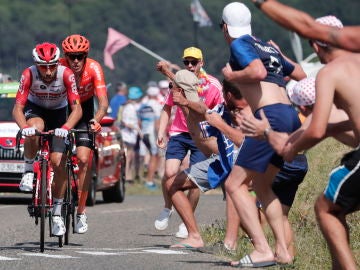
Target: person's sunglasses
[
  {"x": 171, "y": 85},
  {"x": 221, "y": 25},
  {"x": 78, "y": 56},
  {"x": 192, "y": 62},
  {"x": 47, "y": 66}
]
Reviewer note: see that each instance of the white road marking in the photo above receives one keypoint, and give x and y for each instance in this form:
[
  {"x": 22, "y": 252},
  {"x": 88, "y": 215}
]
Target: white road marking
[
  {"x": 102, "y": 253},
  {"x": 49, "y": 256},
  {"x": 110, "y": 249},
  {"x": 124, "y": 210},
  {"x": 2, "y": 258},
  {"x": 164, "y": 251}
]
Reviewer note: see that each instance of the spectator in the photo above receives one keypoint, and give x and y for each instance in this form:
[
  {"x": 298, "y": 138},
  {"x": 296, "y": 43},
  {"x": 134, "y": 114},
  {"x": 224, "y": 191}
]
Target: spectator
[
  {"x": 251, "y": 68},
  {"x": 181, "y": 141},
  {"x": 118, "y": 100},
  {"x": 149, "y": 114},
  {"x": 164, "y": 89},
  {"x": 341, "y": 196},
  {"x": 130, "y": 129}
]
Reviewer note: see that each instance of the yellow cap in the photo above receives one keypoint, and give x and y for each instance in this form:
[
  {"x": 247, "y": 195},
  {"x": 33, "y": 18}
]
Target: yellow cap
[{"x": 193, "y": 52}]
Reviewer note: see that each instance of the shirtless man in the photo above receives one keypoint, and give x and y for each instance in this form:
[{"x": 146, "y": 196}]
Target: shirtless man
[
  {"x": 258, "y": 69},
  {"x": 295, "y": 20},
  {"x": 341, "y": 196}
]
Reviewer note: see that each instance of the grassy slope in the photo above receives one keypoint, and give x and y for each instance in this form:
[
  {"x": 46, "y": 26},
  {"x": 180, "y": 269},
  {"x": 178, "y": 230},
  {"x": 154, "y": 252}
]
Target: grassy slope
[{"x": 312, "y": 252}]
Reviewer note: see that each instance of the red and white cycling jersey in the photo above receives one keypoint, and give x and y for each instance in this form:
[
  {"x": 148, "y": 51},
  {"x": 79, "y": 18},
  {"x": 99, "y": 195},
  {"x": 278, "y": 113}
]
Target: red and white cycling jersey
[
  {"x": 58, "y": 94},
  {"x": 92, "y": 81}
]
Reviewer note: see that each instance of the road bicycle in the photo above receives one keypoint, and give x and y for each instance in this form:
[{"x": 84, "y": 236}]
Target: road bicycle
[{"x": 42, "y": 201}]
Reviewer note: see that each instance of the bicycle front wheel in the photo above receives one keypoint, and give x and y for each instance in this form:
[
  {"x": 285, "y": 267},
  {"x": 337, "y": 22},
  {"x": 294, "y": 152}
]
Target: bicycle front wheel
[{"x": 43, "y": 204}]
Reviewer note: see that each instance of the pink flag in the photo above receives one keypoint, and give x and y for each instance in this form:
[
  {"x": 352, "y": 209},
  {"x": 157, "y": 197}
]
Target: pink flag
[{"x": 115, "y": 41}]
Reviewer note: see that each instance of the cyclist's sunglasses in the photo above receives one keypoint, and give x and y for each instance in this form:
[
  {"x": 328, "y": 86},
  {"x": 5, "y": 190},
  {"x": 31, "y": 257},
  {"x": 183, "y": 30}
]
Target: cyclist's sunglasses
[
  {"x": 78, "y": 56},
  {"x": 192, "y": 62}
]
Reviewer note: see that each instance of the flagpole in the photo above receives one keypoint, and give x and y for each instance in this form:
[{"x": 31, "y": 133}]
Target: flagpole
[
  {"x": 196, "y": 26},
  {"x": 147, "y": 50}
]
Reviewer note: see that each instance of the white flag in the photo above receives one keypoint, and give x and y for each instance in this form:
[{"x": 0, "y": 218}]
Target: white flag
[{"x": 199, "y": 14}]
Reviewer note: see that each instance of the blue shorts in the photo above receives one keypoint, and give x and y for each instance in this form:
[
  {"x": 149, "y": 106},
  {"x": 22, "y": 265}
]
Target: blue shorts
[
  {"x": 257, "y": 154},
  {"x": 343, "y": 188},
  {"x": 289, "y": 178},
  {"x": 179, "y": 145}
]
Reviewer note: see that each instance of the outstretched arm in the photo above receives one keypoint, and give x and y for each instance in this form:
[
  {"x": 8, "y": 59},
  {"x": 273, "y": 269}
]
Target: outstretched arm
[{"x": 298, "y": 21}]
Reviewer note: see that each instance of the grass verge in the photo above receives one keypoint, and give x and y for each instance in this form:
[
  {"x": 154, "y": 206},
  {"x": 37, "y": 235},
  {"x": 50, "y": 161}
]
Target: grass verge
[{"x": 312, "y": 252}]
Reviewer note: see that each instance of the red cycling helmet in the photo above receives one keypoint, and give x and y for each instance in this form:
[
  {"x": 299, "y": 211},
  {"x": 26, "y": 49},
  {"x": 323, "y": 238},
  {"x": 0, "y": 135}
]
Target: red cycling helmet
[
  {"x": 46, "y": 53},
  {"x": 76, "y": 44}
]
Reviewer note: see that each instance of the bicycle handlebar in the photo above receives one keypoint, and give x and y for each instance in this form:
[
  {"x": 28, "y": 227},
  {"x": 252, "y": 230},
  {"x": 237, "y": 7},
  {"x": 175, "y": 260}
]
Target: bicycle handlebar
[{"x": 50, "y": 133}]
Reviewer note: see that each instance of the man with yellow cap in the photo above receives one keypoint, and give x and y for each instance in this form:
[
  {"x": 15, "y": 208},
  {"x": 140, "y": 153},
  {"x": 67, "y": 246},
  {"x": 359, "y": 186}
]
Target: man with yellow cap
[{"x": 181, "y": 139}]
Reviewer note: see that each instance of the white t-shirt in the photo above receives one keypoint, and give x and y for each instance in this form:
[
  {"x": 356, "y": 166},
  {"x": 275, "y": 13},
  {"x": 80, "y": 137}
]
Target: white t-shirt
[{"x": 129, "y": 117}]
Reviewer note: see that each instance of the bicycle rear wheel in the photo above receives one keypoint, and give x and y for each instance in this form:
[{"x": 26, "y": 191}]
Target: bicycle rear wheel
[
  {"x": 43, "y": 204},
  {"x": 68, "y": 209}
]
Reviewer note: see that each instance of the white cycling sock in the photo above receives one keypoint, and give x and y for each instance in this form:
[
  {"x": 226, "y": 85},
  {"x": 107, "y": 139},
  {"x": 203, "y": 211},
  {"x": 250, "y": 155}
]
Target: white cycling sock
[
  {"x": 29, "y": 164},
  {"x": 57, "y": 206}
]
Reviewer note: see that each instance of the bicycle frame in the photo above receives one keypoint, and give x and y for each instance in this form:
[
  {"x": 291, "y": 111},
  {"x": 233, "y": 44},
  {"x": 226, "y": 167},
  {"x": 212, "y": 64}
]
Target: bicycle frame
[{"x": 43, "y": 157}]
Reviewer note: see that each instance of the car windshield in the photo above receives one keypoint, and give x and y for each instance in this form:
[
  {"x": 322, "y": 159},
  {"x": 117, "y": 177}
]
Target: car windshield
[{"x": 6, "y": 107}]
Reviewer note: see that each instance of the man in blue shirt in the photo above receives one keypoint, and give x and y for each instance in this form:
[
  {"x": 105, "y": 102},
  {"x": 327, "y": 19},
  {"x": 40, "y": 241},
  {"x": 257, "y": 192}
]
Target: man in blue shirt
[
  {"x": 119, "y": 99},
  {"x": 258, "y": 70}
]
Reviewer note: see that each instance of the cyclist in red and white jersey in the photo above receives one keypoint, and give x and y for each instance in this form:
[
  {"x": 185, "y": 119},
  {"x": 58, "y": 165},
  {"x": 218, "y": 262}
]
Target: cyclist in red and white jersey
[
  {"x": 46, "y": 89},
  {"x": 90, "y": 82}
]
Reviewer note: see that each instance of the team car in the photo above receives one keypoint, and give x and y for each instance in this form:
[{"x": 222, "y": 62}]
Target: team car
[{"x": 108, "y": 164}]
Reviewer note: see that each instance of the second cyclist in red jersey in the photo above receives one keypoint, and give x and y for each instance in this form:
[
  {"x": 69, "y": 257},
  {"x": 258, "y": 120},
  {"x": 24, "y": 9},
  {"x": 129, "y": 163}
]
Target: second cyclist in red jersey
[{"x": 90, "y": 83}]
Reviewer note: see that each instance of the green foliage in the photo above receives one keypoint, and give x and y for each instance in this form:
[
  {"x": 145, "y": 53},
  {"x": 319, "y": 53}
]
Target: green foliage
[{"x": 165, "y": 27}]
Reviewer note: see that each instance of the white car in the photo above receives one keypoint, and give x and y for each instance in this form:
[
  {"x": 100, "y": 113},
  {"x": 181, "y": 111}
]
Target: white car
[{"x": 11, "y": 160}]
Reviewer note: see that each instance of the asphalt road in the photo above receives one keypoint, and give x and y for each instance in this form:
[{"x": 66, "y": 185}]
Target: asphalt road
[{"x": 120, "y": 236}]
